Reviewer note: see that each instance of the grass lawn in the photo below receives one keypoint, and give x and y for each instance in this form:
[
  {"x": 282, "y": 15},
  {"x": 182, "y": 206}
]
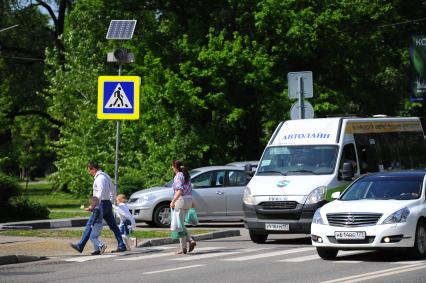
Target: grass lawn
[
  {"x": 68, "y": 233},
  {"x": 61, "y": 205}
]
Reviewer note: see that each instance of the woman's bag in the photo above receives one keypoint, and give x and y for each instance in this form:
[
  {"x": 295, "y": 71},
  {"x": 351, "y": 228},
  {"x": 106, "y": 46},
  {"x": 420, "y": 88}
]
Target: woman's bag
[
  {"x": 191, "y": 217},
  {"x": 178, "y": 230}
]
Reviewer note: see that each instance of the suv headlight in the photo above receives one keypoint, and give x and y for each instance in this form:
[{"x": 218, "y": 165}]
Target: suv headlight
[
  {"x": 317, "y": 219},
  {"x": 399, "y": 216},
  {"x": 145, "y": 198},
  {"x": 248, "y": 198},
  {"x": 316, "y": 195}
]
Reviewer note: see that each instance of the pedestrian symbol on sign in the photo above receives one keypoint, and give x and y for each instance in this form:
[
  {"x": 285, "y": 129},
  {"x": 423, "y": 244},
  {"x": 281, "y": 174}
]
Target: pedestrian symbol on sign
[{"x": 118, "y": 99}]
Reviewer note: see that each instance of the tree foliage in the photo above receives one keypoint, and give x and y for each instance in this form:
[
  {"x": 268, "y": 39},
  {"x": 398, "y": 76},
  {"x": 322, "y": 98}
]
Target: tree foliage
[{"x": 214, "y": 77}]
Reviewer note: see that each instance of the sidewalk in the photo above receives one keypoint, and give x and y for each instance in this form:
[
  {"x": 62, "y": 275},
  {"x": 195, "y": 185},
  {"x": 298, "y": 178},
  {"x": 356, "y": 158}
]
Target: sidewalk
[{"x": 15, "y": 249}]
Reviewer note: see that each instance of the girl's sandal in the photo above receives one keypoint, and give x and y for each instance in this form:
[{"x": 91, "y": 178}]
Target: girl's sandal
[
  {"x": 179, "y": 252},
  {"x": 192, "y": 245}
]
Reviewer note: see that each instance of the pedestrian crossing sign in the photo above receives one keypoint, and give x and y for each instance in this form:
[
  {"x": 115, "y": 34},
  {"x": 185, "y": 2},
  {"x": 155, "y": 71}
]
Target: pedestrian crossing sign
[{"x": 118, "y": 97}]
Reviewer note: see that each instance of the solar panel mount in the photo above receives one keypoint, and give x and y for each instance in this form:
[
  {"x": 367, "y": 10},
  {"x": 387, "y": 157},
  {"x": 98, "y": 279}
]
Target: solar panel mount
[{"x": 121, "y": 29}]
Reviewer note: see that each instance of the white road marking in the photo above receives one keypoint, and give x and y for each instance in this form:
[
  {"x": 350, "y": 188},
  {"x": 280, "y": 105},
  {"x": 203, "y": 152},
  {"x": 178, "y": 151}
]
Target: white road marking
[
  {"x": 173, "y": 269},
  {"x": 300, "y": 259},
  {"x": 213, "y": 254},
  {"x": 270, "y": 254},
  {"x": 315, "y": 257},
  {"x": 87, "y": 258},
  {"x": 202, "y": 256},
  {"x": 409, "y": 262},
  {"x": 155, "y": 248},
  {"x": 150, "y": 255},
  {"x": 376, "y": 274}
]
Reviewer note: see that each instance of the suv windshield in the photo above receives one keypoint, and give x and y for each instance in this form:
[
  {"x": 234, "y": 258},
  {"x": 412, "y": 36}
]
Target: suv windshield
[
  {"x": 295, "y": 160},
  {"x": 384, "y": 188}
]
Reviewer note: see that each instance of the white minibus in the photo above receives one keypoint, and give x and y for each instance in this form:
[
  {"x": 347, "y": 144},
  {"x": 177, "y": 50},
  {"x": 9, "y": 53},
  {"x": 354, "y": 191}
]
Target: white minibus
[{"x": 306, "y": 160}]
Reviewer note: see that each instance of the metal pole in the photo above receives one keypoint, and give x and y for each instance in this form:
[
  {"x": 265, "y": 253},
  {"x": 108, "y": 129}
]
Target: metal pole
[
  {"x": 302, "y": 106},
  {"x": 1, "y": 30},
  {"x": 117, "y": 143}
]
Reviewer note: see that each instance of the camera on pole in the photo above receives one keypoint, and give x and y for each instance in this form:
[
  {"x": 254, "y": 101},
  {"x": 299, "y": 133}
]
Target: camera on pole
[{"x": 120, "y": 56}]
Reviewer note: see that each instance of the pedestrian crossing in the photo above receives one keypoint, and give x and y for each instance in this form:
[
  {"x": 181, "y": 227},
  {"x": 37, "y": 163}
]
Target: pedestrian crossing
[{"x": 274, "y": 254}]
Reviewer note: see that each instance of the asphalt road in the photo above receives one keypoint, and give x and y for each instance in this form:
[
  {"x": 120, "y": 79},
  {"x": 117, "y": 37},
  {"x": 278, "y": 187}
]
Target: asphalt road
[{"x": 288, "y": 258}]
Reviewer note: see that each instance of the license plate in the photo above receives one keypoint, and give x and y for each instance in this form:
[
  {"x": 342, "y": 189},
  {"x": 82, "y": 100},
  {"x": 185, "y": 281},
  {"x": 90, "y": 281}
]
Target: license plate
[
  {"x": 277, "y": 227},
  {"x": 348, "y": 235}
]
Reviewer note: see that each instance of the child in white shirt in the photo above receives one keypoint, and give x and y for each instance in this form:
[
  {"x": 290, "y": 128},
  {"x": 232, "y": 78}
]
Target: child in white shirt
[{"x": 127, "y": 221}]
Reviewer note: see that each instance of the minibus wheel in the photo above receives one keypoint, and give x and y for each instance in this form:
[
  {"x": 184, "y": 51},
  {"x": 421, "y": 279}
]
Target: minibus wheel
[
  {"x": 257, "y": 238},
  {"x": 327, "y": 254}
]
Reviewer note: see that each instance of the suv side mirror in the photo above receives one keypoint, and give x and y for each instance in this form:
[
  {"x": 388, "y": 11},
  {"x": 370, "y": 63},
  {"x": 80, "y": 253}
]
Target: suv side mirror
[
  {"x": 335, "y": 195},
  {"x": 347, "y": 172}
]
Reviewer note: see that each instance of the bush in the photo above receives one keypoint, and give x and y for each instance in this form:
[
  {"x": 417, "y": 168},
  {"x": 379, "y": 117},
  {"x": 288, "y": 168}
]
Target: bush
[
  {"x": 23, "y": 209},
  {"x": 12, "y": 209},
  {"x": 9, "y": 187},
  {"x": 130, "y": 182},
  {"x": 30, "y": 210}
]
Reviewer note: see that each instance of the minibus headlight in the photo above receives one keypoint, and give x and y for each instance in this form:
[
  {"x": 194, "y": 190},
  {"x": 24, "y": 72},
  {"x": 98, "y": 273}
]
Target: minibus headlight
[
  {"x": 399, "y": 216},
  {"x": 248, "y": 198},
  {"x": 317, "y": 219},
  {"x": 316, "y": 195}
]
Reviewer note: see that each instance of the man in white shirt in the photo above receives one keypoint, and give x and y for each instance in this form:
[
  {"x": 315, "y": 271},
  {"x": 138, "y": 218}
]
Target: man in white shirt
[{"x": 105, "y": 191}]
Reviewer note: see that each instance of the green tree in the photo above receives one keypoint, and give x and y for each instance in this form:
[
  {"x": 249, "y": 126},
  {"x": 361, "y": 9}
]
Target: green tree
[
  {"x": 214, "y": 77},
  {"x": 22, "y": 103}
]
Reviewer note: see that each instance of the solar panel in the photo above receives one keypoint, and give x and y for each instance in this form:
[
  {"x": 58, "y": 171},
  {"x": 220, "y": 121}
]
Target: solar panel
[{"x": 121, "y": 29}]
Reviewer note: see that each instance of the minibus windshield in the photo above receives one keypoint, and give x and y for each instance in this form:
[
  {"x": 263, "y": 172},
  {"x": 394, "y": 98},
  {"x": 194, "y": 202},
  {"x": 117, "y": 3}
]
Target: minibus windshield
[{"x": 298, "y": 160}]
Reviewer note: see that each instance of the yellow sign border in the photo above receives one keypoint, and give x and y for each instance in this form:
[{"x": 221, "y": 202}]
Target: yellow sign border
[{"x": 136, "y": 97}]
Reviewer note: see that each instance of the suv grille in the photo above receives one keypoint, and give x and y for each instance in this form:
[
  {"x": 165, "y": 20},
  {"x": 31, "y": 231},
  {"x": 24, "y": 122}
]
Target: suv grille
[
  {"x": 278, "y": 204},
  {"x": 353, "y": 219}
]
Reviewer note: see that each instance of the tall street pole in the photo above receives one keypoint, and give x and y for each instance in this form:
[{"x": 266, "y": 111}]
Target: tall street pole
[{"x": 117, "y": 141}]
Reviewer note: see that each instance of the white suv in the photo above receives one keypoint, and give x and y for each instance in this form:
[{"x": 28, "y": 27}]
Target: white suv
[{"x": 383, "y": 210}]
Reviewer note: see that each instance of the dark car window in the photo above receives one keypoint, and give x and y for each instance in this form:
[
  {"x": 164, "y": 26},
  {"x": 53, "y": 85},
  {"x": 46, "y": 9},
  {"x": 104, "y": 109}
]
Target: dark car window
[
  {"x": 236, "y": 178},
  {"x": 209, "y": 179}
]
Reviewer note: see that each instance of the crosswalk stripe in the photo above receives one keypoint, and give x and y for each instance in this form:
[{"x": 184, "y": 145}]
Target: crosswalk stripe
[
  {"x": 300, "y": 259},
  {"x": 87, "y": 258},
  {"x": 409, "y": 262},
  {"x": 173, "y": 269},
  {"x": 213, "y": 254},
  {"x": 270, "y": 254},
  {"x": 146, "y": 256},
  {"x": 203, "y": 256}
]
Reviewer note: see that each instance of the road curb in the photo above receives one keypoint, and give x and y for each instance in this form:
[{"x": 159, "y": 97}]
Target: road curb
[
  {"x": 45, "y": 224},
  {"x": 12, "y": 259},
  {"x": 207, "y": 236}
]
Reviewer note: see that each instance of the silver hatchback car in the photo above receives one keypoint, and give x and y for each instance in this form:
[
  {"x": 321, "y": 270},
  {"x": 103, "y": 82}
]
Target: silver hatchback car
[{"x": 217, "y": 192}]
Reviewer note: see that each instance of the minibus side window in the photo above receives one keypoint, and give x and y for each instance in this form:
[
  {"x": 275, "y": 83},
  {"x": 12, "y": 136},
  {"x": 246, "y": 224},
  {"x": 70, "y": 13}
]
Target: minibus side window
[{"x": 348, "y": 155}]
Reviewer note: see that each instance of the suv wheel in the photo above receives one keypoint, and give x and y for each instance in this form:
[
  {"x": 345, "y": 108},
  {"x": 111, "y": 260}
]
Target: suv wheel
[
  {"x": 161, "y": 216},
  {"x": 258, "y": 238},
  {"x": 419, "y": 249},
  {"x": 327, "y": 254}
]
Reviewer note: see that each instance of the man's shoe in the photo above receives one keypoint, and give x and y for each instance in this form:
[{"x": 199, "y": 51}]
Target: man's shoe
[
  {"x": 96, "y": 253},
  {"x": 103, "y": 248},
  {"x": 75, "y": 247},
  {"x": 119, "y": 250}
]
